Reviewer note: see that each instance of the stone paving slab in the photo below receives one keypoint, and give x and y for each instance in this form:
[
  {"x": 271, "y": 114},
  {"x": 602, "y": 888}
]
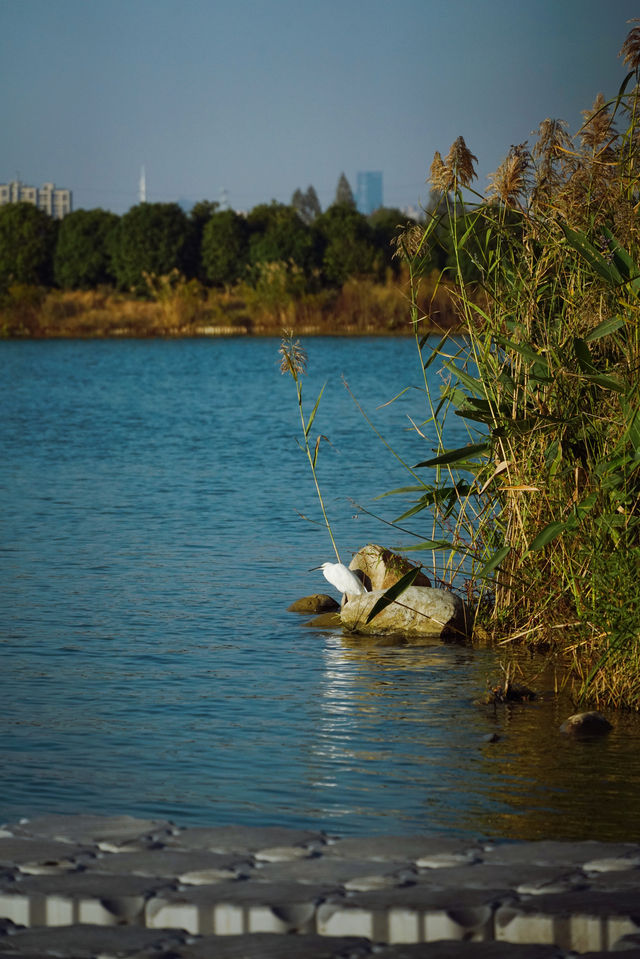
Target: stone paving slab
[
  {"x": 90, "y": 886},
  {"x": 358, "y": 875},
  {"x": 243, "y": 839},
  {"x": 42, "y": 856},
  {"x": 233, "y": 908},
  {"x": 86, "y": 941},
  {"x": 96, "y": 942},
  {"x": 70, "y": 898},
  {"x": 188, "y": 867},
  {"x": 413, "y": 914},
  {"x": 582, "y": 921},
  {"x": 108, "y": 831},
  {"x": 432, "y": 852},
  {"x": 557, "y": 853}
]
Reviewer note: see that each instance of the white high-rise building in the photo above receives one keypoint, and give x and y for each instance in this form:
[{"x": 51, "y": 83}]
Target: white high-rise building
[{"x": 53, "y": 200}]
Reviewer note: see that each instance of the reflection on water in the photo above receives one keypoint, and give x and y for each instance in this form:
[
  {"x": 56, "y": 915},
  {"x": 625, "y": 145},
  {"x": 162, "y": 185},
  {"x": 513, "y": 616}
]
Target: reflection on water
[
  {"x": 152, "y": 541},
  {"x": 529, "y": 782},
  {"x": 559, "y": 786}
]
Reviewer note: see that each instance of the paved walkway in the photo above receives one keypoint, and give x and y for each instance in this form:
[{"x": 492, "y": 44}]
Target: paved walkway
[{"x": 78, "y": 887}]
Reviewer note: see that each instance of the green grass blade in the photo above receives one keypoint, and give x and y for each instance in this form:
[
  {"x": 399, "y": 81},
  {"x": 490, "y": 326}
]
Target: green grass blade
[
  {"x": 583, "y": 356},
  {"x": 548, "y": 534},
  {"x": 582, "y": 245},
  {"x": 605, "y": 328},
  {"x": 495, "y": 561},
  {"x": 472, "y": 383},
  {"x": 436, "y": 352},
  {"x": 455, "y": 456},
  {"x": 313, "y": 412}
]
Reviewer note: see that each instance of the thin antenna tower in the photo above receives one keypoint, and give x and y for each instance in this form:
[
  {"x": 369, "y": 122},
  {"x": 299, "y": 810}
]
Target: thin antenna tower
[
  {"x": 224, "y": 199},
  {"x": 143, "y": 186}
]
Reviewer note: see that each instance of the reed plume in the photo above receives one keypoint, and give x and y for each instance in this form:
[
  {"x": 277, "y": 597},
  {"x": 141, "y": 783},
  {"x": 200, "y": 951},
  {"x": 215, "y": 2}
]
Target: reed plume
[
  {"x": 409, "y": 241},
  {"x": 440, "y": 176},
  {"x": 460, "y": 162},
  {"x": 509, "y": 183},
  {"x": 454, "y": 172},
  {"x": 631, "y": 47},
  {"x": 294, "y": 358},
  {"x": 598, "y": 129},
  {"x": 551, "y": 153}
]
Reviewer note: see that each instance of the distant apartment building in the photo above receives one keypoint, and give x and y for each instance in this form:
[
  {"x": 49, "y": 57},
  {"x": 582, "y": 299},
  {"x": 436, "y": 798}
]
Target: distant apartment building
[
  {"x": 53, "y": 200},
  {"x": 369, "y": 192}
]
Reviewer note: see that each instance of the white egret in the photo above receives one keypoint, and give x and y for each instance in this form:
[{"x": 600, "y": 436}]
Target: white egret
[{"x": 342, "y": 578}]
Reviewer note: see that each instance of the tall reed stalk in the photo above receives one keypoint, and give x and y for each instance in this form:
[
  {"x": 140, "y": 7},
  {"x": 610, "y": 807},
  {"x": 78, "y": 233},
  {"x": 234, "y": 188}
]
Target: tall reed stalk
[
  {"x": 540, "y": 510},
  {"x": 294, "y": 362}
]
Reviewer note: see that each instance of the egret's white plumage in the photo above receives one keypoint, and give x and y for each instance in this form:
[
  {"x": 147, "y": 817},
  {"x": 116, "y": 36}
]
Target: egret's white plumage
[{"x": 342, "y": 578}]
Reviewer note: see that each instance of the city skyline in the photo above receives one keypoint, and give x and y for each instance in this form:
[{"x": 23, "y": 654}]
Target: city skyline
[{"x": 254, "y": 99}]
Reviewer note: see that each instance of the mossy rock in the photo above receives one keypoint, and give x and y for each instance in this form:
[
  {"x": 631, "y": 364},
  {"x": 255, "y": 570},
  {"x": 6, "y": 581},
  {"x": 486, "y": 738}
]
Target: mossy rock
[
  {"x": 316, "y": 603},
  {"x": 325, "y": 621}
]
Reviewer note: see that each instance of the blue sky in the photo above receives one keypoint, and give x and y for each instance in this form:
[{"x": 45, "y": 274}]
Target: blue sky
[{"x": 258, "y": 97}]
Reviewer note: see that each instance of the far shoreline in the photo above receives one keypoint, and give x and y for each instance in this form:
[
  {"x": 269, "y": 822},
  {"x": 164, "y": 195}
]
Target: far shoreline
[{"x": 360, "y": 308}]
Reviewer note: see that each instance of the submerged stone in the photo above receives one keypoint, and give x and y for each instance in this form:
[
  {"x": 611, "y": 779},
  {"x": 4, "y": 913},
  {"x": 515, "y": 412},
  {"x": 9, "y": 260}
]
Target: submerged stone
[
  {"x": 586, "y": 724},
  {"x": 325, "y": 621}
]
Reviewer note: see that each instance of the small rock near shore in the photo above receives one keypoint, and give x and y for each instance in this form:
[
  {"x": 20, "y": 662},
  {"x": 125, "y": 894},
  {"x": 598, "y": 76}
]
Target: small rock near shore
[
  {"x": 586, "y": 724},
  {"x": 316, "y": 603}
]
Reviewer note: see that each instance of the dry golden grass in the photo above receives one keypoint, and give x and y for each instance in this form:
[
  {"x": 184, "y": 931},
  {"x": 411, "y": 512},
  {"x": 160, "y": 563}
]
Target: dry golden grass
[{"x": 181, "y": 308}]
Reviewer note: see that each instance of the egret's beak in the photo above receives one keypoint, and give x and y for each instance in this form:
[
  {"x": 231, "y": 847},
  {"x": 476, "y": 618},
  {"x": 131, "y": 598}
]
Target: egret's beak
[{"x": 314, "y": 567}]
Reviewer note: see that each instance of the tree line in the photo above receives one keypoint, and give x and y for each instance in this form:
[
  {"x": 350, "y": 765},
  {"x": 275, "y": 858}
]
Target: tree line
[{"x": 218, "y": 247}]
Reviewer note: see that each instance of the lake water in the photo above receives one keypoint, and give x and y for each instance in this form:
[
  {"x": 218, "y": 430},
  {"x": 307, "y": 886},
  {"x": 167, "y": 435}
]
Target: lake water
[{"x": 158, "y": 518}]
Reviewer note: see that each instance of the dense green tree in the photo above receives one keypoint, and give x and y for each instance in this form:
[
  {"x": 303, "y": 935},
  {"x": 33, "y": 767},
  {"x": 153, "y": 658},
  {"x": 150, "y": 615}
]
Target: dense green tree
[
  {"x": 348, "y": 244},
  {"x": 344, "y": 193},
  {"x": 203, "y": 210},
  {"x": 82, "y": 258},
  {"x": 307, "y": 205},
  {"x": 225, "y": 247},
  {"x": 27, "y": 242},
  {"x": 199, "y": 215},
  {"x": 279, "y": 235},
  {"x": 151, "y": 238},
  {"x": 438, "y": 252},
  {"x": 386, "y": 223}
]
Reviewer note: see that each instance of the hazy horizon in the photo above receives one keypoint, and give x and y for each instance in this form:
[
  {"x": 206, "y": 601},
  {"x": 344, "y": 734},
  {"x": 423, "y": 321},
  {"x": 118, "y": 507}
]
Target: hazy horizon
[{"x": 260, "y": 97}]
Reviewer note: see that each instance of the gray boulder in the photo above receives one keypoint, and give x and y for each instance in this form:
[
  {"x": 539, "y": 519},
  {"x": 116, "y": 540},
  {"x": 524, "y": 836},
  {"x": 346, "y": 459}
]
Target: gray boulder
[
  {"x": 419, "y": 611},
  {"x": 381, "y": 568}
]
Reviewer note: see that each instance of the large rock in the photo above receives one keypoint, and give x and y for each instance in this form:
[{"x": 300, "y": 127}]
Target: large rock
[
  {"x": 586, "y": 724},
  {"x": 381, "y": 568},
  {"x": 419, "y": 611}
]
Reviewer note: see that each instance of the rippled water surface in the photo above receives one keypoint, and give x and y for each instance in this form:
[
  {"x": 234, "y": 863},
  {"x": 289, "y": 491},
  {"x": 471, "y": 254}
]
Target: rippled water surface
[{"x": 153, "y": 535}]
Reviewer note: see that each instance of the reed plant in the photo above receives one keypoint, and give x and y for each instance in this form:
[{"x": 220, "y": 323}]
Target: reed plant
[
  {"x": 294, "y": 363},
  {"x": 538, "y": 514}
]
